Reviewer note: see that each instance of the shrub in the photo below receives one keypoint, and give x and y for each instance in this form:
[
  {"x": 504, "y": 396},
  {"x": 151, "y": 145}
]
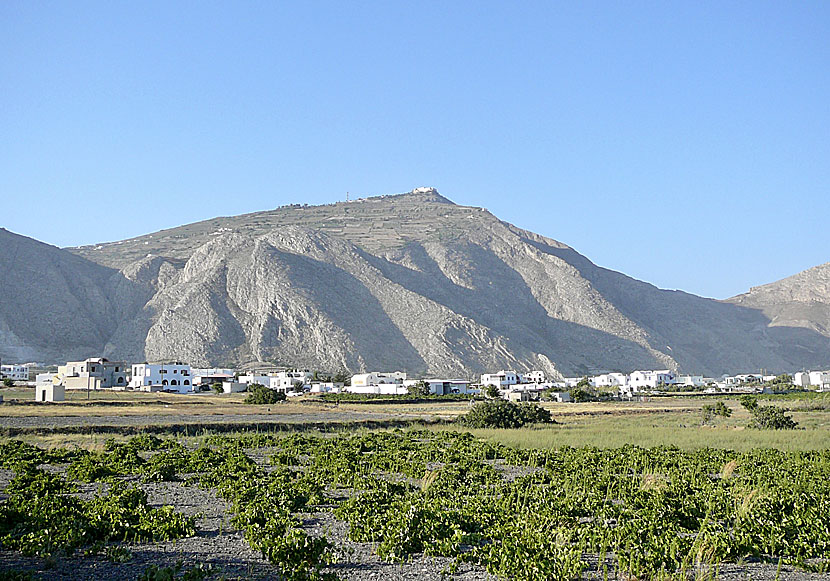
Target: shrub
[
  {"x": 505, "y": 414},
  {"x": 709, "y": 411},
  {"x": 579, "y": 394},
  {"x": 217, "y": 388},
  {"x": 770, "y": 417},
  {"x": 748, "y": 402},
  {"x": 259, "y": 394}
]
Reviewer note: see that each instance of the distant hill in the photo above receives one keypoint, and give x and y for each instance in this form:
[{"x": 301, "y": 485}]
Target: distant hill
[{"x": 409, "y": 281}]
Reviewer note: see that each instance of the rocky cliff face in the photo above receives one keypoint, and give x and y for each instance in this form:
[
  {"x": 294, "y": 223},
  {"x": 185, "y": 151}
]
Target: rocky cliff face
[{"x": 410, "y": 282}]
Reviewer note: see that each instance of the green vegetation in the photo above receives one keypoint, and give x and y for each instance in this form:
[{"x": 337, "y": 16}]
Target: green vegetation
[
  {"x": 767, "y": 417},
  {"x": 217, "y": 388},
  {"x": 709, "y": 411},
  {"x": 259, "y": 394},
  {"x": 41, "y": 517},
  {"x": 504, "y": 414},
  {"x": 7, "y": 382}
]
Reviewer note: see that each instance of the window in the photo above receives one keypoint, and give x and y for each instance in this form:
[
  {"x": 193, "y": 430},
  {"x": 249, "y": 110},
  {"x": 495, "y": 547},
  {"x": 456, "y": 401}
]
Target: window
[
  {"x": 174, "y": 382},
  {"x": 120, "y": 380},
  {"x": 175, "y": 371},
  {"x": 163, "y": 371},
  {"x": 186, "y": 382},
  {"x": 164, "y": 382}
]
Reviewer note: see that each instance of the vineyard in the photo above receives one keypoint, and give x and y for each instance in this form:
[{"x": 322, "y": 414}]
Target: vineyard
[{"x": 625, "y": 513}]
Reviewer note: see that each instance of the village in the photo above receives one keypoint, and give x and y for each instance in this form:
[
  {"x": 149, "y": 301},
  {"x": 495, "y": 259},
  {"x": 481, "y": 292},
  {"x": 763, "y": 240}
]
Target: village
[{"x": 99, "y": 373}]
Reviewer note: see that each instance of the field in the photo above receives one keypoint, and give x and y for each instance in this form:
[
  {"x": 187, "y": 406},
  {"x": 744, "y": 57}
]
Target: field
[{"x": 612, "y": 490}]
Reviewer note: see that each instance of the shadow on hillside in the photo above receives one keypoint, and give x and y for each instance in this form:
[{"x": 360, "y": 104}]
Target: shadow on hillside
[
  {"x": 706, "y": 335},
  {"x": 501, "y": 300}
]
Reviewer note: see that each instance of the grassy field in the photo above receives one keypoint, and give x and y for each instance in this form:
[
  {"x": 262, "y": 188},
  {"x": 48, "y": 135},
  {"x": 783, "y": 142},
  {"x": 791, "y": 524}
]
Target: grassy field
[{"x": 673, "y": 421}]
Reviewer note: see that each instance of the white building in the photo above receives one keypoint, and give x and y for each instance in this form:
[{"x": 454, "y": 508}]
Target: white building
[
  {"x": 50, "y": 392},
  {"x": 14, "y": 372},
  {"x": 820, "y": 380},
  {"x": 609, "y": 380},
  {"x": 652, "y": 378},
  {"x": 801, "y": 379},
  {"x": 502, "y": 379},
  {"x": 209, "y": 375},
  {"x": 93, "y": 373},
  {"x": 443, "y": 386},
  {"x": 280, "y": 381},
  {"x": 378, "y": 378},
  {"x": 532, "y": 377},
  {"x": 174, "y": 376},
  {"x": 286, "y": 380},
  {"x": 251, "y": 378},
  {"x": 691, "y": 380}
]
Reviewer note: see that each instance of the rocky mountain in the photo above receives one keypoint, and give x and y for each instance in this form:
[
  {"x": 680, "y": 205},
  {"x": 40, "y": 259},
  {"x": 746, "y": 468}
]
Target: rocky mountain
[{"x": 409, "y": 281}]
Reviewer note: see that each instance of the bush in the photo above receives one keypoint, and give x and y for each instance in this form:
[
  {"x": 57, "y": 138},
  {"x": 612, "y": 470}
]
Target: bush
[
  {"x": 7, "y": 382},
  {"x": 770, "y": 417},
  {"x": 709, "y": 411},
  {"x": 505, "y": 414},
  {"x": 579, "y": 394},
  {"x": 259, "y": 394},
  {"x": 217, "y": 388},
  {"x": 748, "y": 402}
]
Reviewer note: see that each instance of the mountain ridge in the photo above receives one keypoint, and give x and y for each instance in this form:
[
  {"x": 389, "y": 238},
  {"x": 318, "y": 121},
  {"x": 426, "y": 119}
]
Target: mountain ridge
[{"x": 409, "y": 281}]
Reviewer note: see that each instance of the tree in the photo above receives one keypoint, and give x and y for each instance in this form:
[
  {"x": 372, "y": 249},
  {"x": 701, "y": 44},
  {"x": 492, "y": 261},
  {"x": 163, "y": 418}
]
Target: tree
[
  {"x": 709, "y": 411},
  {"x": 492, "y": 392},
  {"x": 748, "y": 402},
  {"x": 419, "y": 388},
  {"x": 584, "y": 383},
  {"x": 770, "y": 417},
  {"x": 7, "y": 382},
  {"x": 217, "y": 388},
  {"x": 784, "y": 378},
  {"x": 297, "y": 387},
  {"x": 579, "y": 394},
  {"x": 259, "y": 394},
  {"x": 505, "y": 414}
]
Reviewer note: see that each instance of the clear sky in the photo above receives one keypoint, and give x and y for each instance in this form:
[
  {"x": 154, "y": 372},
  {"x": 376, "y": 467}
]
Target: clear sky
[{"x": 683, "y": 143}]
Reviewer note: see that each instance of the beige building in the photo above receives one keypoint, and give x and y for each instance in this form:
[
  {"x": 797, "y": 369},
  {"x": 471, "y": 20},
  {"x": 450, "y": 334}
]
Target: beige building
[{"x": 93, "y": 373}]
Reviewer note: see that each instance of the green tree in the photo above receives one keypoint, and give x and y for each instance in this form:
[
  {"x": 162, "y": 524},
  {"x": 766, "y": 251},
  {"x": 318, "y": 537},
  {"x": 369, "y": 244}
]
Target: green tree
[
  {"x": 770, "y": 417},
  {"x": 419, "y": 388},
  {"x": 504, "y": 414},
  {"x": 748, "y": 402},
  {"x": 217, "y": 388},
  {"x": 259, "y": 394},
  {"x": 7, "y": 382},
  {"x": 580, "y": 394},
  {"x": 492, "y": 392}
]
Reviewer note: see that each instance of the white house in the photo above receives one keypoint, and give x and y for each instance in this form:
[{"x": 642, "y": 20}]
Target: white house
[
  {"x": 691, "y": 380},
  {"x": 250, "y": 378},
  {"x": 378, "y": 378},
  {"x": 50, "y": 392},
  {"x": 502, "y": 379},
  {"x": 652, "y": 378},
  {"x": 286, "y": 380},
  {"x": 801, "y": 379},
  {"x": 820, "y": 380},
  {"x": 209, "y": 375},
  {"x": 609, "y": 380},
  {"x": 174, "y": 376},
  {"x": 532, "y": 377},
  {"x": 14, "y": 372}
]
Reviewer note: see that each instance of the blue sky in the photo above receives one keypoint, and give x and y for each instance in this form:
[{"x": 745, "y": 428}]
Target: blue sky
[{"x": 683, "y": 143}]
